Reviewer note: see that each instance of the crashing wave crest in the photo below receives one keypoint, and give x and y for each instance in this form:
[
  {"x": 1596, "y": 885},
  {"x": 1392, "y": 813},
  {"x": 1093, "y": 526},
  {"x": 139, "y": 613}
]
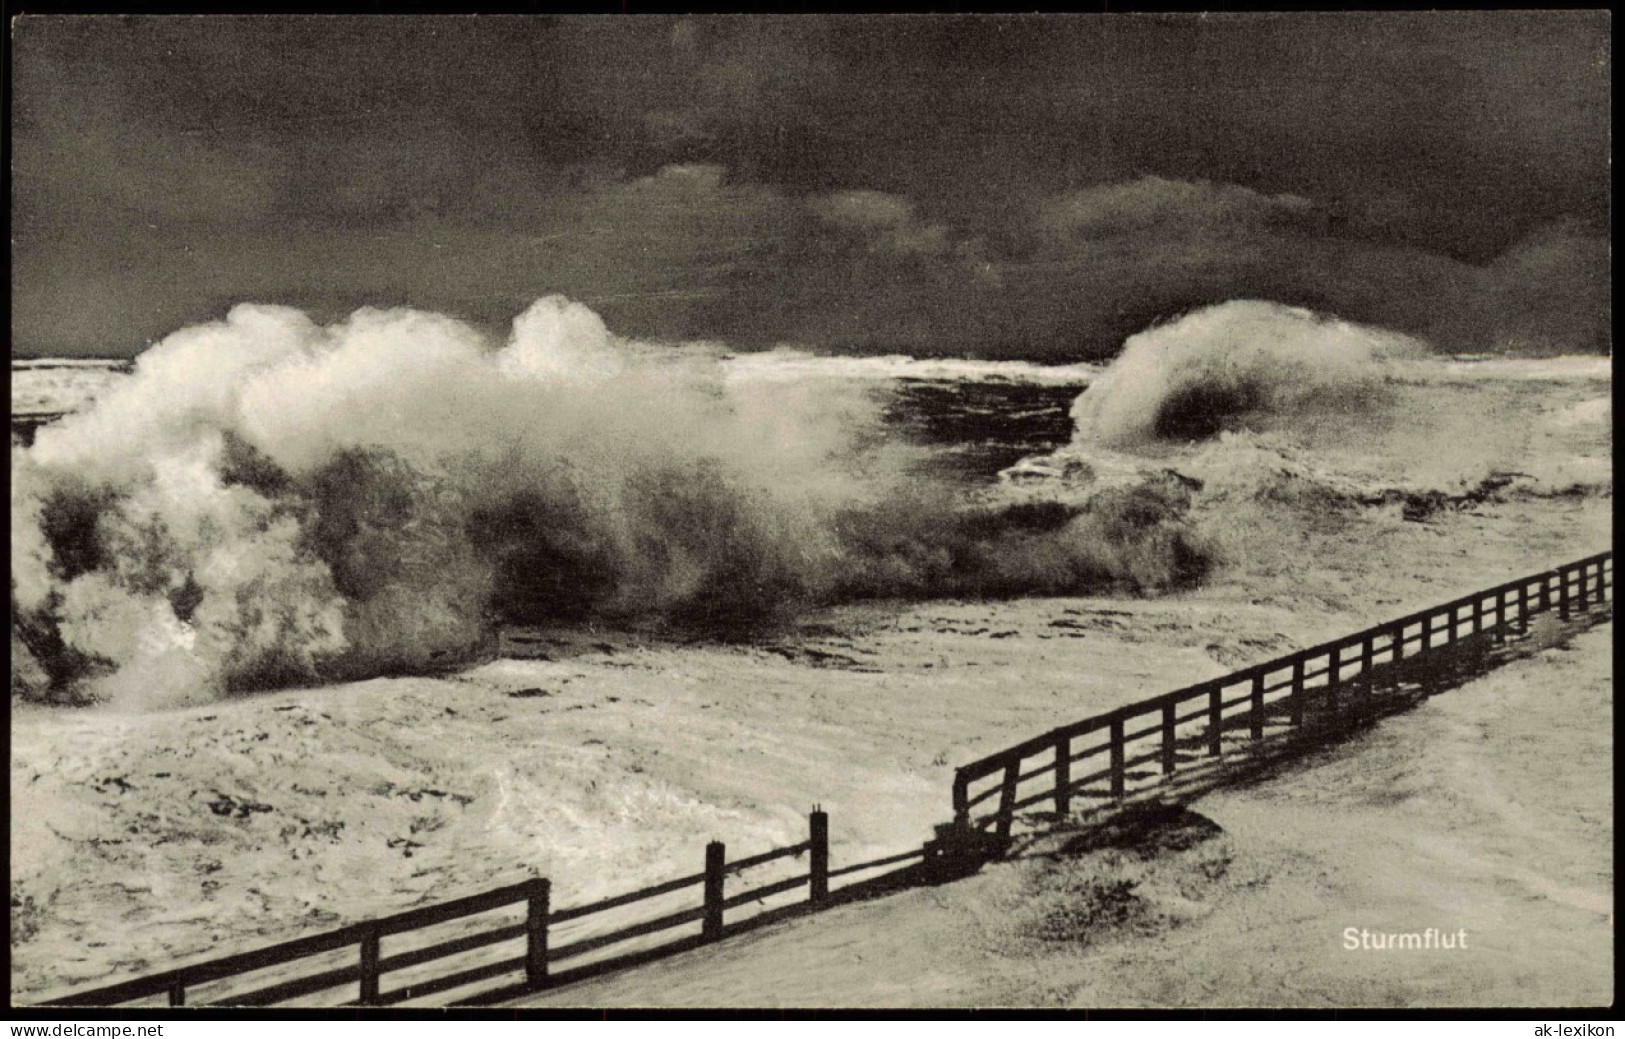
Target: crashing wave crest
[
  {"x": 1258, "y": 402},
  {"x": 1245, "y": 364}
]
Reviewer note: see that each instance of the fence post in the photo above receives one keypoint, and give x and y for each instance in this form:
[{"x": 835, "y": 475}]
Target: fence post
[
  {"x": 1585, "y": 586},
  {"x": 1007, "y": 797},
  {"x": 177, "y": 994},
  {"x": 1063, "y": 776},
  {"x": 1295, "y": 700},
  {"x": 961, "y": 800},
  {"x": 715, "y": 853},
  {"x": 1453, "y": 629},
  {"x": 1169, "y": 711},
  {"x": 1396, "y": 654},
  {"x": 1118, "y": 785},
  {"x": 369, "y": 966},
  {"x": 1334, "y": 676},
  {"x": 818, "y": 854},
  {"x": 1368, "y": 662},
  {"x": 1563, "y": 593},
  {"x": 1545, "y": 592},
  {"x": 1215, "y": 720},
  {"x": 1257, "y": 713},
  {"x": 541, "y": 894}
]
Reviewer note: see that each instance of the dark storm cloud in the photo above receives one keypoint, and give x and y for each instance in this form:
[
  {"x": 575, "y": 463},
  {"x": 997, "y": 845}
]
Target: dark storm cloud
[
  {"x": 1157, "y": 206},
  {"x": 1036, "y": 186}
]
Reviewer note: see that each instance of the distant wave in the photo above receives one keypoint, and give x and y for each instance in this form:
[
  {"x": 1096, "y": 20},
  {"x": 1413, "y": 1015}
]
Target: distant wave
[
  {"x": 47, "y": 387},
  {"x": 1525, "y": 369},
  {"x": 31, "y": 363},
  {"x": 788, "y": 363}
]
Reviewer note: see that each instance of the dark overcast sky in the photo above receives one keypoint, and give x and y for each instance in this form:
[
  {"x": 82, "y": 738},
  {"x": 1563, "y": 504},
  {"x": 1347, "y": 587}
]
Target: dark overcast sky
[{"x": 1034, "y": 186}]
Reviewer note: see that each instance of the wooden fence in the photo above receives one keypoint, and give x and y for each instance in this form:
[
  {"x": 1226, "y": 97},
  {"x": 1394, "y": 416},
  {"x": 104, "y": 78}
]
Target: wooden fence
[
  {"x": 1145, "y": 741},
  {"x": 1109, "y": 756},
  {"x": 532, "y": 961}
]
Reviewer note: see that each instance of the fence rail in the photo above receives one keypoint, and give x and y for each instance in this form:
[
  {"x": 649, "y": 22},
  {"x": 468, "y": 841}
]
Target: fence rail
[{"x": 1149, "y": 740}]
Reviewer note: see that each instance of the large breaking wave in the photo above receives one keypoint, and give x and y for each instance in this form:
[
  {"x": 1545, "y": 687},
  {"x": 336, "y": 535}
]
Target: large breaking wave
[
  {"x": 1254, "y": 403},
  {"x": 268, "y": 501},
  {"x": 1245, "y": 364}
]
